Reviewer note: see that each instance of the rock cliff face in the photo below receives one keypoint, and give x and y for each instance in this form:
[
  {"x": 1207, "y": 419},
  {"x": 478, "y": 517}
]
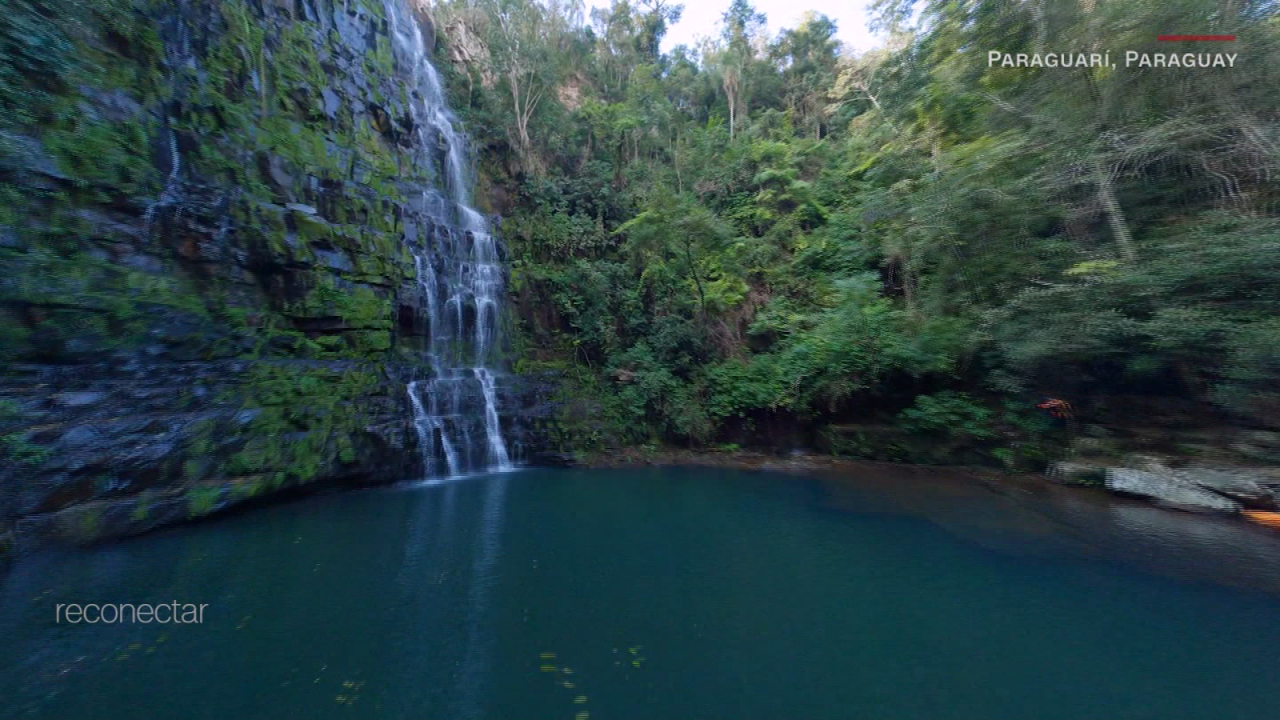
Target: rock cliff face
[{"x": 208, "y": 292}]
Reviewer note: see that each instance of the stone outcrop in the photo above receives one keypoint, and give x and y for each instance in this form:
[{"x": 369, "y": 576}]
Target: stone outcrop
[
  {"x": 1196, "y": 486},
  {"x": 120, "y": 448},
  {"x": 1076, "y": 473},
  {"x": 1168, "y": 491},
  {"x": 1251, "y": 487}
]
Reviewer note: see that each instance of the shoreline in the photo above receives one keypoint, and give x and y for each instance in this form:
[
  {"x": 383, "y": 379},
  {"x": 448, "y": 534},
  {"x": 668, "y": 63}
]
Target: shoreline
[
  {"x": 756, "y": 460},
  {"x": 829, "y": 466},
  {"x": 1249, "y": 494}
]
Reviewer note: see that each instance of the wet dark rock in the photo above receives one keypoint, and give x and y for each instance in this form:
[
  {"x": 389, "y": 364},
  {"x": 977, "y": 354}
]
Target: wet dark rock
[
  {"x": 116, "y": 470},
  {"x": 332, "y": 103},
  {"x": 334, "y": 260},
  {"x": 273, "y": 172},
  {"x": 145, "y": 263},
  {"x": 1076, "y": 473},
  {"x": 27, "y": 154},
  {"x": 108, "y": 227},
  {"x": 550, "y": 458},
  {"x": 114, "y": 104},
  {"x": 79, "y": 399},
  {"x": 79, "y": 437},
  {"x": 1259, "y": 445}
]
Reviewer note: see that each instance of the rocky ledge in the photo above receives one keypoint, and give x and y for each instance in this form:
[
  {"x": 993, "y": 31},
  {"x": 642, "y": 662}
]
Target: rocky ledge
[
  {"x": 108, "y": 450},
  {"x": 1195, "y": 486}
]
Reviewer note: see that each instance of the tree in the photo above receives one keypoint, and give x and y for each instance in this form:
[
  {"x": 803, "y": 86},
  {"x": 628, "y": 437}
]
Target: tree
[
  {"x": 808, "y": 55},
  {"x": 526, "y": 41},
  {"x": 741, "y": 23}
]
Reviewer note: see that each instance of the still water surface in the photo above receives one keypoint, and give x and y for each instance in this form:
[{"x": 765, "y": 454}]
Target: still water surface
[{"x": 665, "y": 594}]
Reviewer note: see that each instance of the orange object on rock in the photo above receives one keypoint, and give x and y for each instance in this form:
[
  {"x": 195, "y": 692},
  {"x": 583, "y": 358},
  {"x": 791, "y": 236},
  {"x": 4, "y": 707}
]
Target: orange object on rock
[{"x": 1262, "y": 517}]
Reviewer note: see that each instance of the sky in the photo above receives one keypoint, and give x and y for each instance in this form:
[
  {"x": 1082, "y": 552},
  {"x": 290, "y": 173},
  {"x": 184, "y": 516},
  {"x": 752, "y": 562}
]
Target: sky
[{"x": 702, "y": 18}]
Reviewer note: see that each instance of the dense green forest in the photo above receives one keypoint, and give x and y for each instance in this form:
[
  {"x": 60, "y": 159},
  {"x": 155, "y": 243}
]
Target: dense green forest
[{"x": 767, "y": 236}]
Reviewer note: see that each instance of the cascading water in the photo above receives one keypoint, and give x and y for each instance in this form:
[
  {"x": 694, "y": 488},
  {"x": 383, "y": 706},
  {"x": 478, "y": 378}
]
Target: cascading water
[
  {"x": 178, "y": 57},
  {"x": 460, "y": 277}
]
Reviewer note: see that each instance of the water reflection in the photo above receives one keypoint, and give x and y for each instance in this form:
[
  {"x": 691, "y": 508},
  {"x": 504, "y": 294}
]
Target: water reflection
[
  {"x": 477, "y": 660},
  {"x": 1030, "y": 517},
  {"x": 894, "y": 592}
]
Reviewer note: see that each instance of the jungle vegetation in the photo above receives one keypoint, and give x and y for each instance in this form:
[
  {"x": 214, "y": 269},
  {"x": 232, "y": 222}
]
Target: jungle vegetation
[{"x": 764, "y": 229}]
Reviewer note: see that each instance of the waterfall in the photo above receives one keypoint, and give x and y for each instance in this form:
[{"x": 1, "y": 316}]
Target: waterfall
[
  {"x": 178, "y": 56},
  {"x": 460, "y": 277}
]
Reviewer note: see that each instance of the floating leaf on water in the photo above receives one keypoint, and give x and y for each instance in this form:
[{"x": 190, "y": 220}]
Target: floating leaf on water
[
  {"x": 341, "y": 699},
  {"x": 580, "y": 699},
  {"x": 548, "y": 655},
  {"x": 548, "y": 668},
  {"x": 567, "y": 671},
  {"x": 582, "y": 715},
  {"x": 567, "y": 684}
]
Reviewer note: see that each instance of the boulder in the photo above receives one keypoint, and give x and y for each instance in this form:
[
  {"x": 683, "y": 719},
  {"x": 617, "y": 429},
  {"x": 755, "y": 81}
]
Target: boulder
[
  {"x": 1238, "y": 484},
  {"x": 1168, "y": 490},
  {"x": 1076, "y": 473},
  {"x": 1258, "y": 445}
]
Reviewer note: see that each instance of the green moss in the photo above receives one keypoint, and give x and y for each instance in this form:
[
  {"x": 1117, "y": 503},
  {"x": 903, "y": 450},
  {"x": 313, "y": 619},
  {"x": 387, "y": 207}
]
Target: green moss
[
  {"x": 202, "y": 500},
  {"x": 130, "y": 57},
  {"x": 142, "y": 507},
  {"x": 379, "y": 156},
  {"x": 372, "y": 342},
  {"x": 302, "y": 145},
  {"x": 360, "y": 309},
  {"x": 296, "y": 62},
  {"x": 373, "y": 7},
  {"x": 248, "y": 487},
  {"x": 30, "y": 80},
  {"x": 383, "y": 62},
  {"x": 81, "y": 524},
  {"x": 306, "y": 421},
  {"x": 14, "y": 445},
  {"x": 312, "y": 229},
  {"x": 85, "y": 298}
]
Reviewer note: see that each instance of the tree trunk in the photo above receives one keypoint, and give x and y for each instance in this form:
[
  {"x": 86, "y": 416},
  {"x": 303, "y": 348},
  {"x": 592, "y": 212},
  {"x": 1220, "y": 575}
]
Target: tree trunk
[
  {"x": 1115, "y": 216},
  {"x": 702, "y": 298},
  {"x": 730, "y": 116}
]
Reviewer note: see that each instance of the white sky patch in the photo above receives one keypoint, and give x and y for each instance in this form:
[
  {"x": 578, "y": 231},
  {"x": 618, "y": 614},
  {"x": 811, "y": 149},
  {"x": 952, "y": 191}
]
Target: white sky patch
[{"x": 701, "y": 18}]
